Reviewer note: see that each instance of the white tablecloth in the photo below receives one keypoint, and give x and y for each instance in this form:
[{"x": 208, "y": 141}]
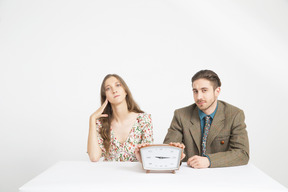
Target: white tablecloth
[{"x": 127, "y": 176}]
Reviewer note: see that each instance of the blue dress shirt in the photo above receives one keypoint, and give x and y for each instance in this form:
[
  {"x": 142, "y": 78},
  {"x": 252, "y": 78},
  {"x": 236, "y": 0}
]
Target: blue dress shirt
[{"x": 202, "y": 116}]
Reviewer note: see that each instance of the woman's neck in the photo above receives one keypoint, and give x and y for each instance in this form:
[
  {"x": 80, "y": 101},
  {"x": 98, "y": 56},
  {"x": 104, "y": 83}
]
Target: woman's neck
[{"x": 120, "y": 112}]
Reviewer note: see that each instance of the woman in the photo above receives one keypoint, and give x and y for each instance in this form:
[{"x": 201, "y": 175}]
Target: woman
[{"x": 119, "y": 125}]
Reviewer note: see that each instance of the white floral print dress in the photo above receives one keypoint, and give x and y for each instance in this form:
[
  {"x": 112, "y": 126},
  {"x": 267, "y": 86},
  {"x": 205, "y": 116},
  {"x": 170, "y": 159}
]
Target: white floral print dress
[{"x": 141, "y": 132}]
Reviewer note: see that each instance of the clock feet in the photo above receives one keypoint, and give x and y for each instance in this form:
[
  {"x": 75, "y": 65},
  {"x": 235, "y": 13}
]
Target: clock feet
[{"x": 172, "y": 171}]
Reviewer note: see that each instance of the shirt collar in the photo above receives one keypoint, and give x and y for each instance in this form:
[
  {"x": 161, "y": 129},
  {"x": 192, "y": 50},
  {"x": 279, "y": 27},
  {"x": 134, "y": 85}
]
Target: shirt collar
[{"x": 202, "y": 114}]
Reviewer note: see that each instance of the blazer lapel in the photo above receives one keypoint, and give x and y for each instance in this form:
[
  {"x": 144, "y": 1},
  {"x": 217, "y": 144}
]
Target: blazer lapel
[
  {"x": 217, "y": 124},
  {"x": 195, "y": 129}
]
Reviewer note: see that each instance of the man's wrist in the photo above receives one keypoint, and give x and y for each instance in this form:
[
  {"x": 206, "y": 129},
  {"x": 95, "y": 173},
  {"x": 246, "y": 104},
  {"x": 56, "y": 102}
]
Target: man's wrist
[{"x": 209, "y": 160}]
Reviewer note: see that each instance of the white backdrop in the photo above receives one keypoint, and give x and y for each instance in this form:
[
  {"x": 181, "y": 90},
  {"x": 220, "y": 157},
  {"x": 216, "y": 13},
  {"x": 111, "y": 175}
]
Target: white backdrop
[{"x": 54, "y": 55}]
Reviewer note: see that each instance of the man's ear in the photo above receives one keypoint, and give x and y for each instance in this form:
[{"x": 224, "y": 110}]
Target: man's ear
[{"x": 217, "y": 91}]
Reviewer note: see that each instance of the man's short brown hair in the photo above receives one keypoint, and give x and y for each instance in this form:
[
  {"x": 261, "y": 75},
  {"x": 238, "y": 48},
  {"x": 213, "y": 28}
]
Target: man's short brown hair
[{"x": 208, "y": 75}]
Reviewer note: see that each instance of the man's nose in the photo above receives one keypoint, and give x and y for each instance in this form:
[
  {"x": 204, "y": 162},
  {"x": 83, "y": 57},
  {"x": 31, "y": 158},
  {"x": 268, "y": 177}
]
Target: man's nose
[{"x": 199, "y": 95}]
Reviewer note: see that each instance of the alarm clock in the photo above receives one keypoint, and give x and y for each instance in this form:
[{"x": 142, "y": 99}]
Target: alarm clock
[{"x": 160, "y": 157}]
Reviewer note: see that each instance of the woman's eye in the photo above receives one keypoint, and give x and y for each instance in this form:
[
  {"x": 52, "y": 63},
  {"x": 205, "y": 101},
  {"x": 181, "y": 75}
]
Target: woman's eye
[
  {"x": 118, "y": 85},
  {"x": 107, "y": 89}
]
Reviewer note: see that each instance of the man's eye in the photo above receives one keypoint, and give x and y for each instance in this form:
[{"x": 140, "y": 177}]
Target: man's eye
[
  {"x": 204, "y": 90},
  {"x": 195, "y": 91}
]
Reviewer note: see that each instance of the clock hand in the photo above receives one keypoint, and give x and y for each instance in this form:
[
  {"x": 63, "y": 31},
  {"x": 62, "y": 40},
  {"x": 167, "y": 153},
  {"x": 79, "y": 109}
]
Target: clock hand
[{"x": 162, "y": 157}]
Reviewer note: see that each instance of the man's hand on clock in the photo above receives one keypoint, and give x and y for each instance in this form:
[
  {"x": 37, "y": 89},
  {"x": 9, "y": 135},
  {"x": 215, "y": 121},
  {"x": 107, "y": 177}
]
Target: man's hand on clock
[
  {"x": 198, "y": 162},
  {"x": 181, "y": 146}
]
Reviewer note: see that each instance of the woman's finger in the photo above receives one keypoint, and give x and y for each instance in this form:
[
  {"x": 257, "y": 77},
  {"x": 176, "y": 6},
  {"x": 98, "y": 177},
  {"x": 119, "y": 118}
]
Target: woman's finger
[
  {"x": 104, "y": 115},
  {"x": 104, "y": 105}
]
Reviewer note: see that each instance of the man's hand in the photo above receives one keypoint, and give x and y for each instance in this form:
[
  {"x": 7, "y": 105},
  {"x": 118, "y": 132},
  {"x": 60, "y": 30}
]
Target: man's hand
[
  {"x": 198, "y": 162},
  {"x": 181, "y": 146}
]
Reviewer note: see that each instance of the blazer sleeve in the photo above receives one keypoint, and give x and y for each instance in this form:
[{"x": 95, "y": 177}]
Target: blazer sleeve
[
  {"x": 175, "y": 132},
  {"x": 238, "y": 151}
]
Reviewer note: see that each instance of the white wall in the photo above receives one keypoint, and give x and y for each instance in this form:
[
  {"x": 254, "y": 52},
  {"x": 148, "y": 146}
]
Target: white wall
[{"x": 54, "y": 55}]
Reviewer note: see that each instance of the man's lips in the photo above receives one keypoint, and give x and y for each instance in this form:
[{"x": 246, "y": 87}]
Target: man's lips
[{"x": 200, "y": 102}]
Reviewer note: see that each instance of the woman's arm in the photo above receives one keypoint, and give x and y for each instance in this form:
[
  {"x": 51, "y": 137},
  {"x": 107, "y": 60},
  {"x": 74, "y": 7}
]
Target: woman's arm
[
  {"x": 147, "y": 135},
  {"x": 93, "y": 148}
]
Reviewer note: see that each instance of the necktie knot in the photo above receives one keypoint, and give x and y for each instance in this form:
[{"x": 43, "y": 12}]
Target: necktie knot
[{"x": 207, "y": 119}]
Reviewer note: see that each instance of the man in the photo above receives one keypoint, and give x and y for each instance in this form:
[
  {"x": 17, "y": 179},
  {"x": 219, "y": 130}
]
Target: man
[{"x": 213, "y": 131}]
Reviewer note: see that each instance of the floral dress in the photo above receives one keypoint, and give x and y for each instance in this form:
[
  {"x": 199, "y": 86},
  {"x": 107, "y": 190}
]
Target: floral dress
[{"x": 141, "y": 132}]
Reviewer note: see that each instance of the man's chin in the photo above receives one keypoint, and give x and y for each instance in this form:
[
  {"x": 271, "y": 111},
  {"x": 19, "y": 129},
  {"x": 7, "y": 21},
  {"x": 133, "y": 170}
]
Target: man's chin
[{"x": 201, "y": 107}]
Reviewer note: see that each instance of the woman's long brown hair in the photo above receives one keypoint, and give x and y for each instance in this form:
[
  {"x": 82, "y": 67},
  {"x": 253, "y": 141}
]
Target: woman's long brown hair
[{"x": 106, "y": 121}]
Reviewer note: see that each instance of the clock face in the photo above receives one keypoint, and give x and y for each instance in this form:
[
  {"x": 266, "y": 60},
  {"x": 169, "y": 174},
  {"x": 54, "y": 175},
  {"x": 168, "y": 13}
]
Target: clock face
[{"x": 160, "y": 157}]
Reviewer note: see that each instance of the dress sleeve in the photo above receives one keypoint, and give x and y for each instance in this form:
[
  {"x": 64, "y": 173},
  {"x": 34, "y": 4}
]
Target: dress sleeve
[
  {"x": 147, "y": 133},
  {"x": 100, "y": 139}
]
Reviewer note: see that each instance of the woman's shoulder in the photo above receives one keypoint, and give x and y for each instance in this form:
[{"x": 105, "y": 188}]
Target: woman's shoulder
[
  {"x": 98, "y": 125},
  {"x": 98, "y": 122},
  {"x": 144, "y": 117}
]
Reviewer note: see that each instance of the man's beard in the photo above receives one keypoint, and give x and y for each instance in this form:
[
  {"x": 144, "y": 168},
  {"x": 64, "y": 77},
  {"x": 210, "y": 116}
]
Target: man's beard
[{"x": 209, "y": 105}]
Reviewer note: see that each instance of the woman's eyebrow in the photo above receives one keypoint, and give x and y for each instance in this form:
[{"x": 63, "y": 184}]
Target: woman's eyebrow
[{"x": 112, "y": 83}]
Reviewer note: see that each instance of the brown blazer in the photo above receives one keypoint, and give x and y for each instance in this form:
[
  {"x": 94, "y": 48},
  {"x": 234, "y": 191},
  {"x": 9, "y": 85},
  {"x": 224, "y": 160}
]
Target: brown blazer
[{"x": 227, "y": 141}]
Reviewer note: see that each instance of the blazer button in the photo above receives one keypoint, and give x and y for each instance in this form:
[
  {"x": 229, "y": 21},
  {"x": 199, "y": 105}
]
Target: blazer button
[{"x": 222, "y": 142}]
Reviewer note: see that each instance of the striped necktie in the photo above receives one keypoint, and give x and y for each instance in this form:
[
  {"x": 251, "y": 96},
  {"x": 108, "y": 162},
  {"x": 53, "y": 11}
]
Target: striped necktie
[{"x": 205, "y": 134}]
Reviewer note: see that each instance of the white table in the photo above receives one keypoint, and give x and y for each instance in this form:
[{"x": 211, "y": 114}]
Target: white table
[{"x": 120, "y": 176}]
